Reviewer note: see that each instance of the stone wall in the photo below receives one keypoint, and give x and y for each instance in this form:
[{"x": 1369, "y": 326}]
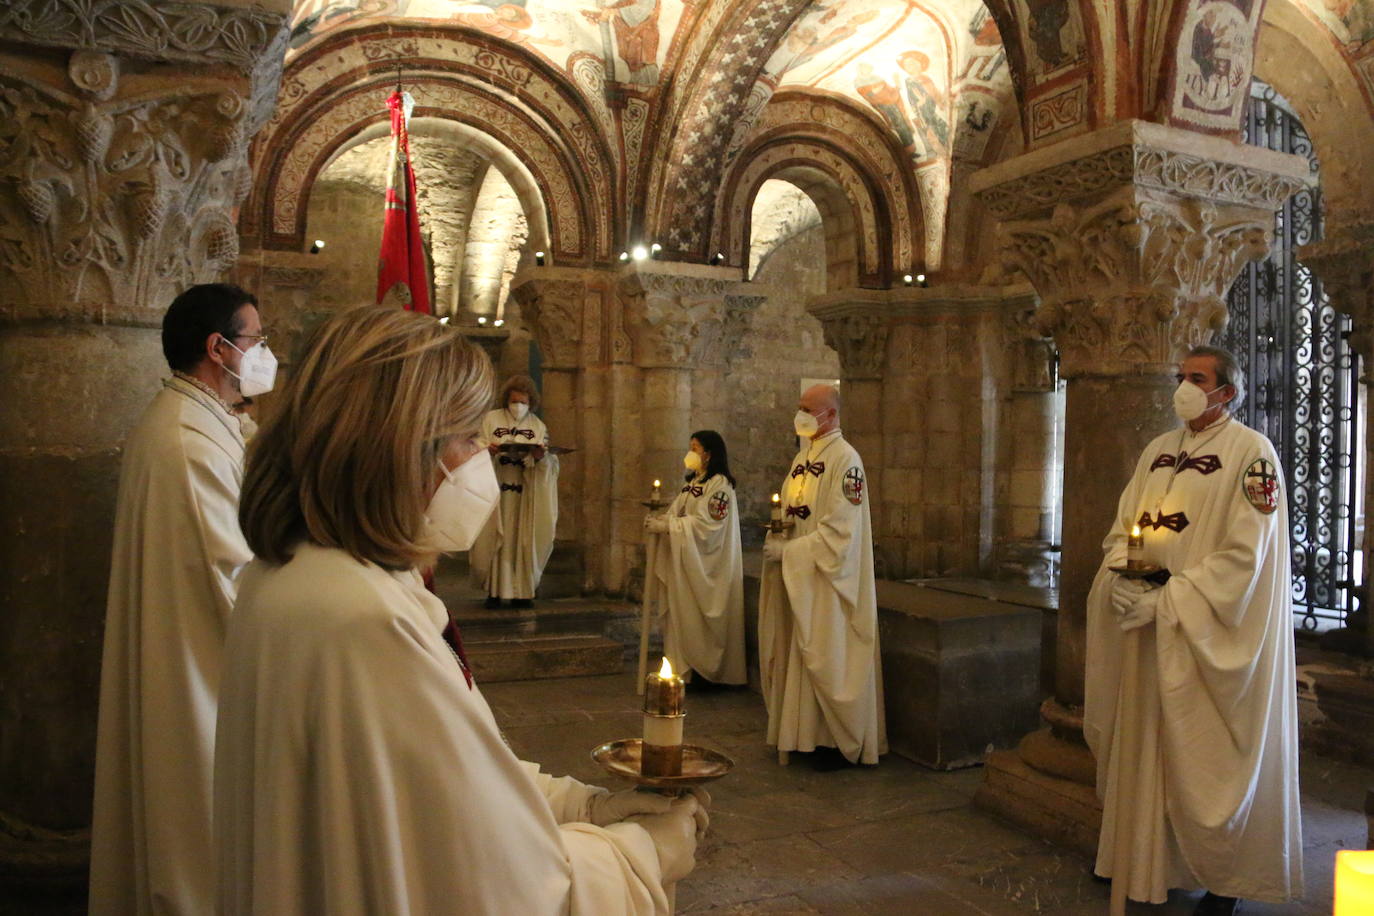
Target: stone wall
[{"x": 748, "y": 389}]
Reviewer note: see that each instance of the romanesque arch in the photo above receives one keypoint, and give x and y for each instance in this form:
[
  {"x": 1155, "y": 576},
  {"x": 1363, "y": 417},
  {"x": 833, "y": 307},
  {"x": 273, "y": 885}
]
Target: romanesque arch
[
  {"x": 835, "y": 153},
  {"x": 333, "y": 93}
]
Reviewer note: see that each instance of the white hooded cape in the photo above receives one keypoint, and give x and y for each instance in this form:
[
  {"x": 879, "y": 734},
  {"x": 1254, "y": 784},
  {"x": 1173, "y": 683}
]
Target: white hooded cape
[
  {"x": 1193, "y": 719},
  {"x": 509, "y": 555},
  {"x": 699, "y": 582},
  {"x": 356, "y": 771},
  {"x": 818, "y": 612},
  {"x": 177, "y": 553}
]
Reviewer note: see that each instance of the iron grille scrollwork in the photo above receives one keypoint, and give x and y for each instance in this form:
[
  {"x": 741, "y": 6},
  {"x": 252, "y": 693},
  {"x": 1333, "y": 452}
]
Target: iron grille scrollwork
[{"x": 1302, "y": 381}]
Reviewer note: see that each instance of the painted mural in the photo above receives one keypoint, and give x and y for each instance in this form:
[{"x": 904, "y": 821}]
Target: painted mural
[
  {"x": 630, "y": 37},
  {"x": 906, "y": 63},
  {"x": 1352, "y": 24}
]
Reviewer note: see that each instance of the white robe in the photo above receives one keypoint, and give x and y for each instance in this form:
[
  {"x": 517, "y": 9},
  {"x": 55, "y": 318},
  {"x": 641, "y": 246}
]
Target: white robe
[
  {"x": 698, "y": 584},
  {"x": 1193, "y": 718},
  {"x": 177, "y": 553},
  {"x": 818, "y": 612},
  {"x": 509, "y": 555},
  {"x": 358, "y": 773}
]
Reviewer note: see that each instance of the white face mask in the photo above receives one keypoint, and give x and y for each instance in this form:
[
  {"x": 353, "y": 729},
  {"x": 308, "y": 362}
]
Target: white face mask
[
  {"x": 692, "y": 461},
  {"x": 805, "y": 424},
  {"x": 257, "y": 370},
  {"x": 1190, "y": 401},
  {"x": 518, "y": 409},
  {"x": 459, "y": 509}
]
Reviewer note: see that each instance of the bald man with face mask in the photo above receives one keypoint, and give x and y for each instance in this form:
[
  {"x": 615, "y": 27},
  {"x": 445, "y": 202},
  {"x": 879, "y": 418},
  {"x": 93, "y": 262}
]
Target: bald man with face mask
[{"x": 818, "y": 611}]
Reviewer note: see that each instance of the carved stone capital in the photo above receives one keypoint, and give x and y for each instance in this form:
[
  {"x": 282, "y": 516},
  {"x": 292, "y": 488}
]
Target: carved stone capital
[
  {"x": 675, "y": 313},
  {"x": 739, "y": 313},
  {"x": 1130, "y": 281},
  {"x": 552, "y": 302},
  {"x": 1344, "y": 262},
  {"x": 1029, "y": 348},
  {"x": 860, "y": 341},
  {"x": 113, "y": 199}
]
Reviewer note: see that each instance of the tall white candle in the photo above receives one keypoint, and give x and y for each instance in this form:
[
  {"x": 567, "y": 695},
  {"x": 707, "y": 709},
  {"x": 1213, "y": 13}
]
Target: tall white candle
[{"x": 775, "y": 514}]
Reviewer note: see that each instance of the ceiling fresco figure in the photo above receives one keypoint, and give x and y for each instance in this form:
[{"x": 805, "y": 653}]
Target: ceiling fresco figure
[
  {"x": 926, "y": 103},
  {"x": 883, "y": 96},
  {"x": 635, "y": 23},
  {"x": 1047, "y": 20}
]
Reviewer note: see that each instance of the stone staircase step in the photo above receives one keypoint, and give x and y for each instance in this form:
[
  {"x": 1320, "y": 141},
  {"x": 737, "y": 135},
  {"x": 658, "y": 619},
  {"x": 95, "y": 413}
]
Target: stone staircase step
[
  {"x": 547, "y": 618},
  {"x": 539, "y": 657}
]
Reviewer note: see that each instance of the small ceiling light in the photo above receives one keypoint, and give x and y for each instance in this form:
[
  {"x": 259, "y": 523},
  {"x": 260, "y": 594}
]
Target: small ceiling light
[
  {"x": 907, "y": 279},
  {"x": 921, "y": 279},
  {"x": 444, "y": 320},
  {"x": 655, "y": 248},
  {"x": 640, "y": 252},
  {"x": 315, "y": 248},
  {"x": 539, "y": 258},
  {"x": 481, "y": 319},
  {"x": 624, "y": 256},
  {"x": 498, "y": 322}
]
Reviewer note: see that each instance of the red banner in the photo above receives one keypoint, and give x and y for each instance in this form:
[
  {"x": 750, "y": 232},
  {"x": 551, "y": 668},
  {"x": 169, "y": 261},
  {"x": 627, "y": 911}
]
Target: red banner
[{"x": 402, "y": 260}]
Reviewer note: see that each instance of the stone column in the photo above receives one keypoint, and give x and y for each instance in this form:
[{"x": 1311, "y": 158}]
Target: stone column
[
  {"x": 123, "y": 153},
  {"x": 921, "y": 388},
  {"x": 1131, "y": 236},
  {"x": 562, "y": 309},
  {"x": 674, "y": 314},
  {"x": 1344, "y": 261},
  {"x": 1027, "y": 548}
]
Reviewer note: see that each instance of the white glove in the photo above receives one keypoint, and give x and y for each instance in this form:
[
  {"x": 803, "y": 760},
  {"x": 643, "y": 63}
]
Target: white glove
[
  {"x": 1141, "y": 611},
  {"x": 606, "y": 808},
  {"x": 772, "y": 548},
  {"x": 675, "y": 837},
  {"x": 1125, "y": 592},
  {"x": 656, "y": 524}
]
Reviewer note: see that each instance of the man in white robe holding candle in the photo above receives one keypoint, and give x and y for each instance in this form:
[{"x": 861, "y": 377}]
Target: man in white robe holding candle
[
  {"x": 173, "y": 578},
  {"x": 509, "y": 557},
  {"x": 698, "y": 581},
  {"x": 818, "y": 610},
  {"x": 1191, "y": 708}
]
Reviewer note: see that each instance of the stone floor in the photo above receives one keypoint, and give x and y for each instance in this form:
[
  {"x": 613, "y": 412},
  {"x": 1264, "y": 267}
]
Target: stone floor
[{"x": 896, "y": 839}]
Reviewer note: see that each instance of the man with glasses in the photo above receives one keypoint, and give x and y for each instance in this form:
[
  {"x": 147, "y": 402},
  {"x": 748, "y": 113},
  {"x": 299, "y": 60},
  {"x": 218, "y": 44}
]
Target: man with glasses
[{"x": 173, "y": 578}]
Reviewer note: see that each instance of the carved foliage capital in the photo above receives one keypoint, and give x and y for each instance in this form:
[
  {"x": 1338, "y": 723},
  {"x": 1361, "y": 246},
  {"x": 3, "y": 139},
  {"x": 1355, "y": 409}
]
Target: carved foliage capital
[
  {"x": 552, "y": 309},
  {"x": 1132, "y": 279},
  {"x": 860, "y": 341},
  {"x": 112, "y": 200},
  {"x": 674, "y": 319}
]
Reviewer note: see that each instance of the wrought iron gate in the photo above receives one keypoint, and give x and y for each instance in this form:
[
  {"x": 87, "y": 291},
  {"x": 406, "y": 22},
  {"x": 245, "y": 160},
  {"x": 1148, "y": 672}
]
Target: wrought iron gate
[{"x": 1303, "y": 382}]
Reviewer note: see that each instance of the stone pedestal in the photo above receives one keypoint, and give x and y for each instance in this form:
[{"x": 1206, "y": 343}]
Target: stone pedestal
[
  {"x": 1131, "y": 237},
  {"x": 124, "y": 157}
]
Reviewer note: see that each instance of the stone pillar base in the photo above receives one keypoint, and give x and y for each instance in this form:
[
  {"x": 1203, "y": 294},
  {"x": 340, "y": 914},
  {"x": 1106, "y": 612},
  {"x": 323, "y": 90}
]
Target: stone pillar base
[
  {"x": 1059, "y": 810},
  {"x": 1047, "y": 785}
]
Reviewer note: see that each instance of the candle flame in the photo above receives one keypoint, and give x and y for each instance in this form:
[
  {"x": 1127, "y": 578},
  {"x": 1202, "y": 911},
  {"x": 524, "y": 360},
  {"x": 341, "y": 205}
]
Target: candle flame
[
  {"x": 776, "y": 498},
  {"x": 656, "y": 482},
  {"x": 1135, "y": 531},
  {"x": 665, "y": 670}
]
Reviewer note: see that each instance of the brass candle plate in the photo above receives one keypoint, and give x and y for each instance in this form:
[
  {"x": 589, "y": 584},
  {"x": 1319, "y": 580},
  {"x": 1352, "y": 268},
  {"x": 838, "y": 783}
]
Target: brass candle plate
[
  {"x": 699, "y": 764},
  {"x": 1135, "y": 573},
  {"x": 778, "y": 527},
  {"x": 655, "y": 503}
]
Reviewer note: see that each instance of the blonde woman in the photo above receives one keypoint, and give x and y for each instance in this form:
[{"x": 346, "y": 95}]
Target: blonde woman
[
  {"x": 358, "y": 768},
  {"x": 509, "y": 556}
]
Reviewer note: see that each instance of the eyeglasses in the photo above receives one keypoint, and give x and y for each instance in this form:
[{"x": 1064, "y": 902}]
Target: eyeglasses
[{"x": 259, "y": 338}]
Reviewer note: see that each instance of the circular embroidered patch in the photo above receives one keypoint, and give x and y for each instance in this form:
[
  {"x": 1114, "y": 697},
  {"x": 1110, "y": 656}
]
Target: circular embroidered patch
[
  {"x": 718, "y": 506},
  {"x": 1261, "y": 485},
  {"x": 854, "y": 486}
]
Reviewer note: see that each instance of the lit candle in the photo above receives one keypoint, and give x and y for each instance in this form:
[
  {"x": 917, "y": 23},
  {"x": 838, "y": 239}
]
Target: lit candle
[
  {"x": 1354, "y": 882},
  {"x": 657, "y": 484},
  {"x": 663, "y": 695},
  {"x": 1135, "y": 546},
  {"x": 775, "y": 514}
]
